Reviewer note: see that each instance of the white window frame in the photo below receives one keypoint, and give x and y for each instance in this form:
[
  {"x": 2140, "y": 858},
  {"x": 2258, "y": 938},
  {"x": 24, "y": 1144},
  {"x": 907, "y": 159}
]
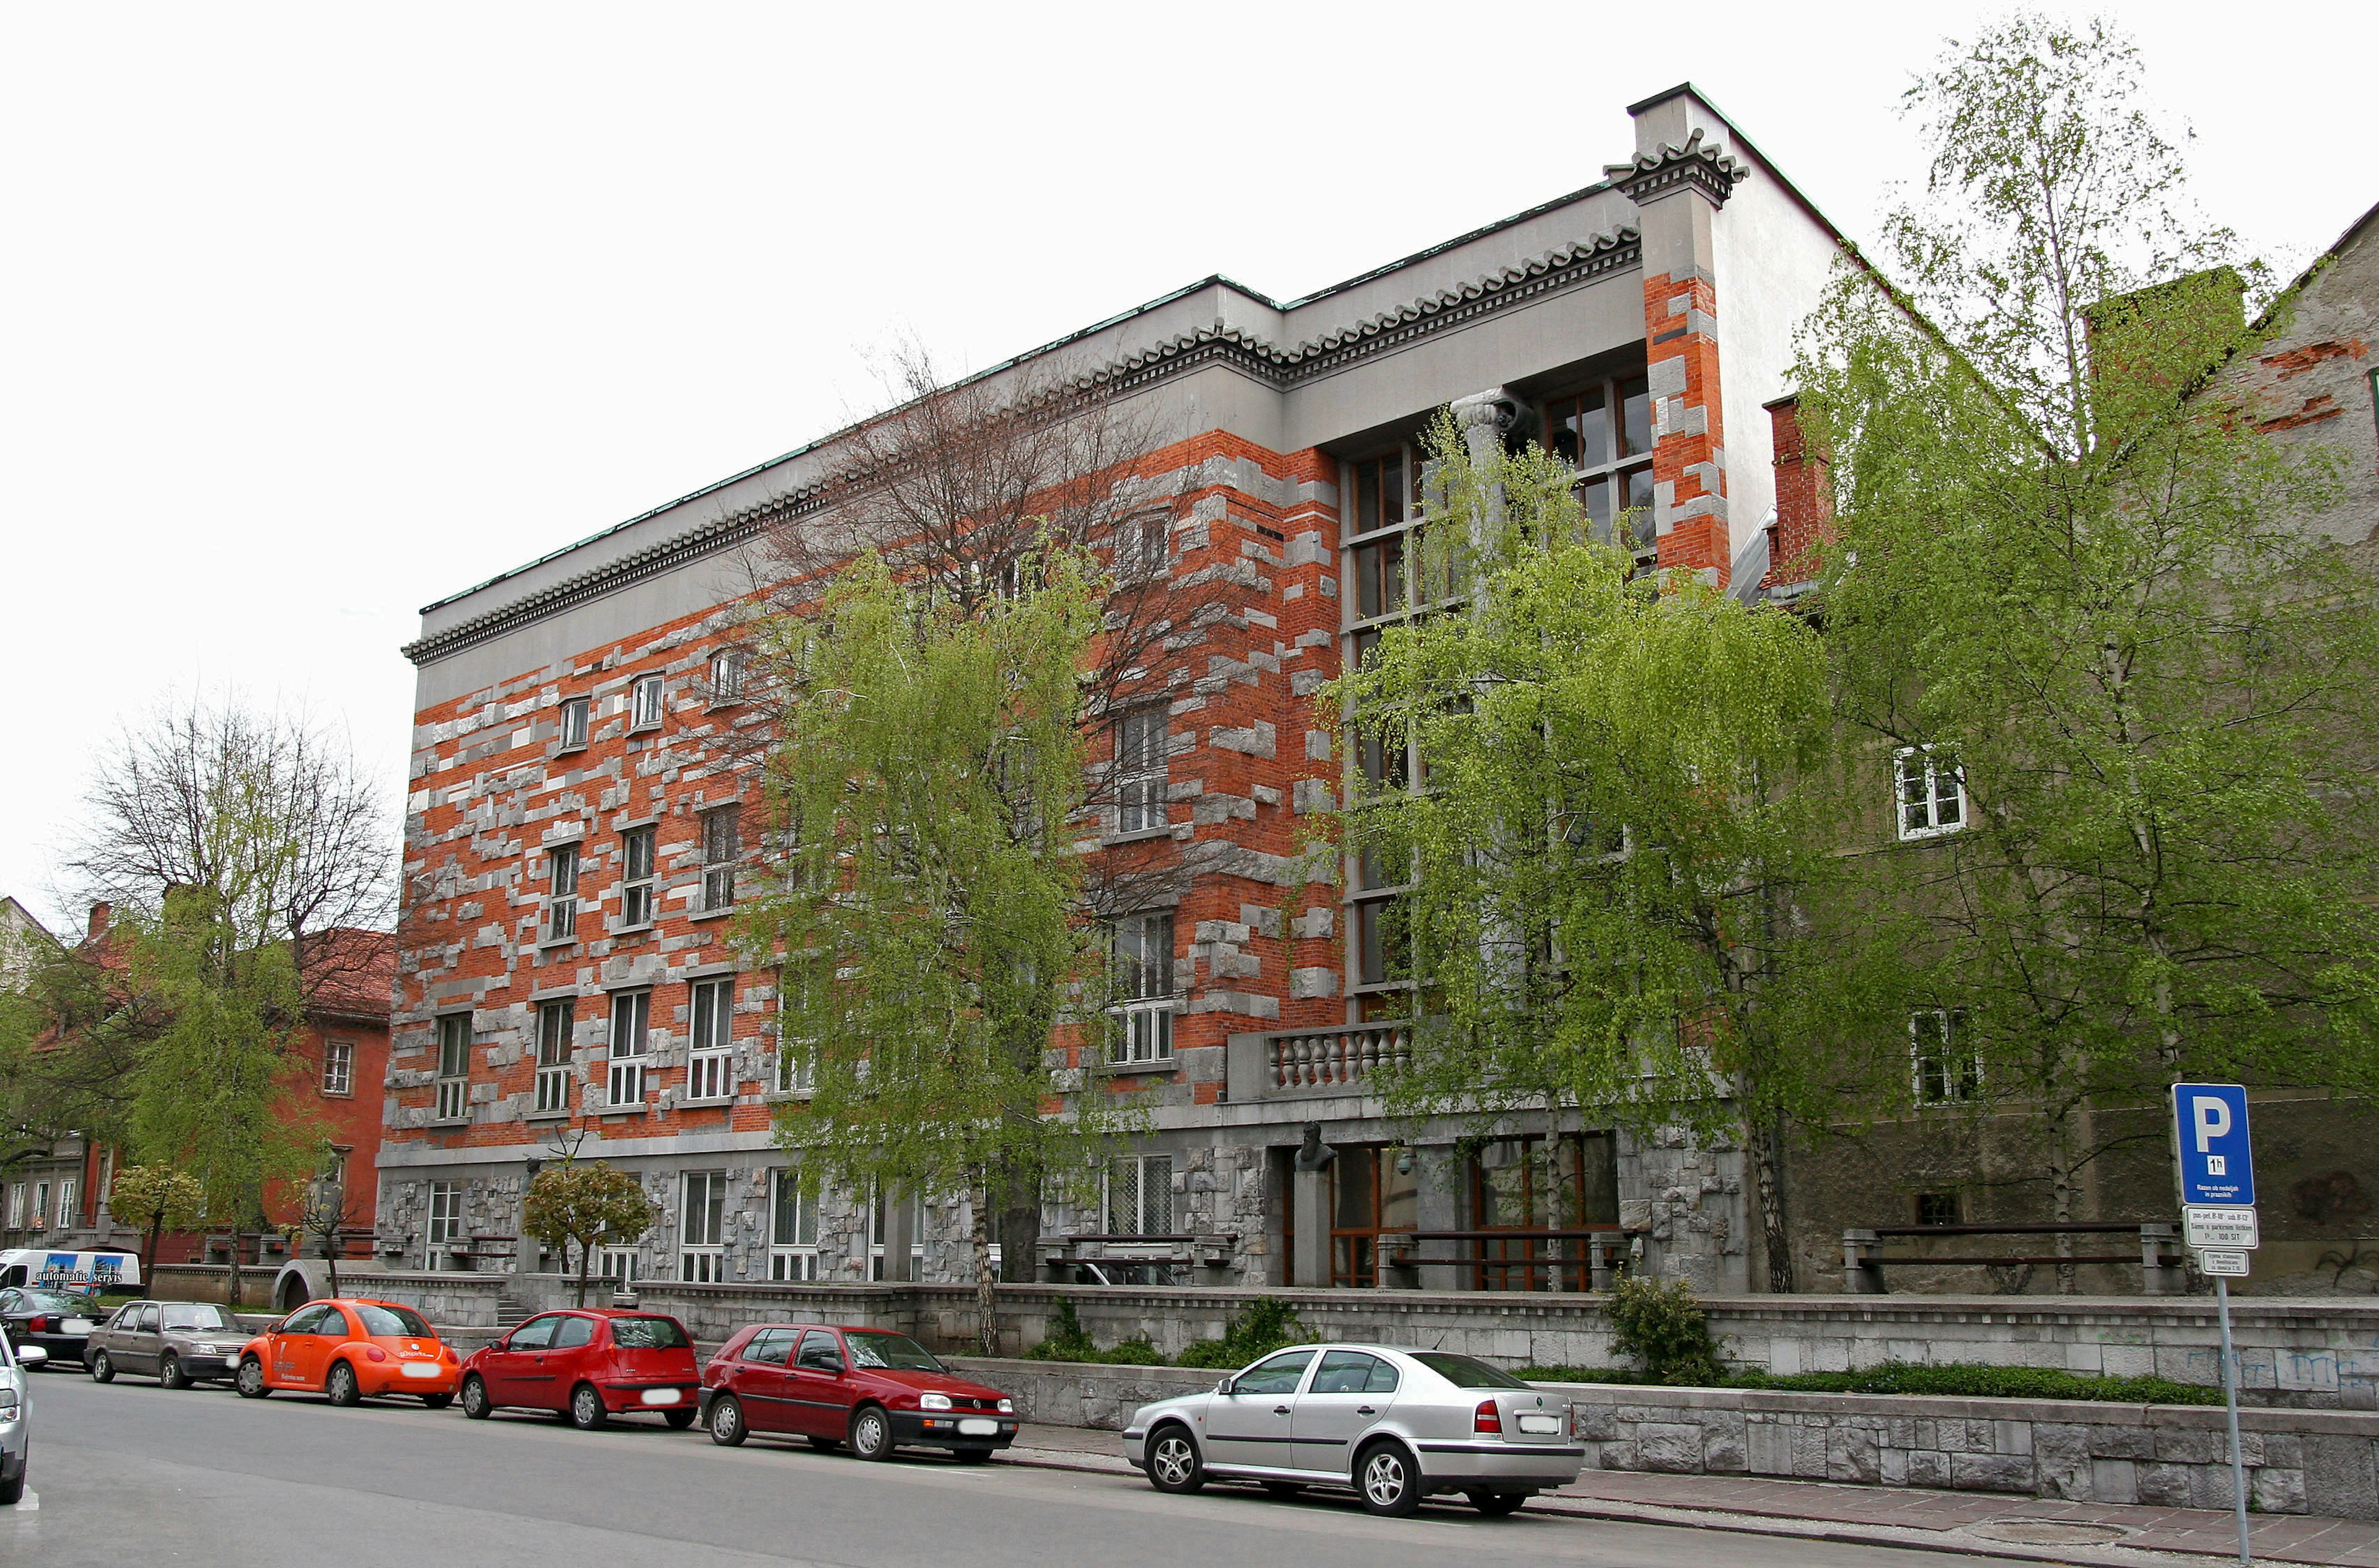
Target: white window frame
[
  {"x": 453, "y": 1075},
  {"x": 41, "y": 1205},
  {"x": 702, "y": 1246},
  {"x": 339, "y": 1068},
  {"x": 1145, "y": 998},
  {"x": 711, "y": 1061},
  {"x": 1950, "y": 1075},
  {"x": 557, "y": 1025},
  {"x": 561, "y": 865},
  {"x": 630, "y": 1046},
  {"x": 726, "y": 677},
  {"x": 721, "y": 849},
  {"x": 1131, "y": 1176},
  {"x": 1143, "y": 769},
  {"x": 17, "y": 1207},
  {"x": 645, "y": 704},
  {"x": 621, "y": 1265},
  {"x": 576, "y": 712},
  {"x": 875, "y": 1218},
  {"x": 636, "y": 883},
  {"x": 796, "y": 1071},
  {"x": 68, "y": 1215},
  {"x": 796, "y": 1256},
  {"x": 444, "y": 1226},
  {"x": 1928, "y": 793}
]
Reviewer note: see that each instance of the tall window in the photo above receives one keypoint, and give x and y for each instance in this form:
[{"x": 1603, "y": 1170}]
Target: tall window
[
  {"x": 556, "y": 1021},
  {"x": 709, "y": 1066},
  {"x": 41, "y": 1205},
  {"x": 1932, "y": 792},
  {"x": 1604, "y": 433},
  {"x": 562, "y": 901},
  {"x": 726, "y": 677},
  {"x": 636, "y": 876},
  {"x": 1380, "y": 944},
  {"x": 1142, "y": 971},
  {"x": 1140, "y": 1195},
  {"x": 68, "y": 1215},
  {"x": 1143, "y": 546},
  {"x": 702, "y": 1257},
  {"x": 574, "y": 723},
  {"x": 1944, "y": 1068},
  {"x": 1142, "y": 758},
  {"x": 454, "y": 1067},
  {"x": 1536, "y": 1184},
  {"x": 720, "y": 845},
  {"x": 446, "y": 1221},
  {"x": 793, "y": 1228},
  {"x": 632, "y": 1017},
  {"x": 338, "y": 1067},
  {"x": 645, "y": 703},
  {"x": 17, "y": 1207},
  {"x": 1372, "y": 1190},
  {"x": 878, "y": 1217}
]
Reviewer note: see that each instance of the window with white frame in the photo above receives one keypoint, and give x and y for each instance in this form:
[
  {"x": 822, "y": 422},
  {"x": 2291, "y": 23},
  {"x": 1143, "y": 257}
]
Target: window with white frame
[
  {"x": 556, "y": 1022},
  {"x": 454, "y": 1067},
  {"x": 338, "y": 1067},
  {"x": 621, "y": 1265},
  {"x": 721, "y": 843},
  {"x": 1932, "y": 791},
  {"x": 1143, "y": 759},
  {"x": 632, "y": 1017},
  {"x": 645, "y": 703},
  {"x": 702, "y": 1229},
  {"x": 793, "y": 1228},
  {"x": 41, "y": 1205},
  {"x": 796, "y": 1066},
  {"x": 1142, "y": 968},
  {"x": 574, "y": 723},
  {"x": 562, "y": 897},
  {"x": 726, "y": 677},
  {"x": 1140, "y": 1195},
  {"x": 69, "y": 1216},
  {"x": 636, "y": 876},
  {"x": 17, "y": 1207},
  {"x": 446, "y": 1221},
  {"x": 709, "y": 1066},
  {"x": 1944, "y": 1068}
]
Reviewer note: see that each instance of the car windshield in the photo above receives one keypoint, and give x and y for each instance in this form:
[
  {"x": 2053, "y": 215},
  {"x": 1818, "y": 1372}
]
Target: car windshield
[
  {"x": 894, "y": 1352},
  {"x": 51, "y": 1301},
  {"x": 200, "y": 1315},
  {"x": 647, "y": 1334},
  {"x": 391, "y": 1321},
  {"x": 1463, "y": 1373}
]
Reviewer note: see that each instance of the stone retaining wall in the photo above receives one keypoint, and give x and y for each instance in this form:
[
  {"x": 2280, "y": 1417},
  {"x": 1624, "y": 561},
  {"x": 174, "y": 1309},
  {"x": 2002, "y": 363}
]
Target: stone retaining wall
[{"x": 1069, "y": 1394}]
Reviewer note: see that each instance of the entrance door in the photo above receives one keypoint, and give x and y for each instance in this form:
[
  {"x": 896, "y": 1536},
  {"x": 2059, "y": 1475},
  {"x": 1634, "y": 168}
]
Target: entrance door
[
  {"x": 1250, "y": 1426},
  {"x": 1349, "y": 1395},
  {"x": 1374, "y": 1190}
]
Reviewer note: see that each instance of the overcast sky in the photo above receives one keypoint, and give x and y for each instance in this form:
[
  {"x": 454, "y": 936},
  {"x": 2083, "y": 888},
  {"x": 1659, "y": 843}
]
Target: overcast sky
[{"x": 311, "y": 314}]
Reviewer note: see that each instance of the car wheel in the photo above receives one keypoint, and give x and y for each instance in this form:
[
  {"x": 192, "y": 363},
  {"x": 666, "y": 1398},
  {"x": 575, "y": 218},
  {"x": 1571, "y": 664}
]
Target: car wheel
[
  {"x": 1173, "y": 1462},
  {"x": 827, "y": 1445},
  {"x": 586, "y": 1412},
  {"x": 250, "y": 1381},
  {"x": 871, "y": 1433},
  {"x": 13, "y": 1491},
  {"x": 437, "y": 1400},
  {"x": 475, "y": 1398},
  {"x": 1387, "y": 1481},
  {"x": 170, "y": 1374},
  {"x": 103, "y": 1371},
  {"x": 727, "y": 1421},
  {"x": 679, "y": 1419},
  {"x": 1284, "y": 1489},
  {"x": 341, "y": 1386},
  {"x": 1495, "y": 1504},
  {"x": 973, "y": 1455}
]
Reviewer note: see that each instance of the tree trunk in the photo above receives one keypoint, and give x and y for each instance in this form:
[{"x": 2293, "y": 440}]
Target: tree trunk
[
  {"x": 585, "y": 1266},
  {"x": 1762, "y": 1144},
  {"x": 986, "y": 1286},
  {"x": 1019, "y": 1180},
  {"x": 149, "y": 1259},
  {"x": 2061, "y": 1186}
]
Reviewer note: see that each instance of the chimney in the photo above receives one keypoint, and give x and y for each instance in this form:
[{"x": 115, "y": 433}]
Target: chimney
[
  {"x": 1804, "y": 511},
  {"x": 99, "y": 916}
]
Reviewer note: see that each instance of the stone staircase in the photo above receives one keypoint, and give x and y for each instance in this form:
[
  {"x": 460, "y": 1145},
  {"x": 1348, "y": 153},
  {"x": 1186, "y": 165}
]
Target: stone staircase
[{"x": 510, "y": 1307}]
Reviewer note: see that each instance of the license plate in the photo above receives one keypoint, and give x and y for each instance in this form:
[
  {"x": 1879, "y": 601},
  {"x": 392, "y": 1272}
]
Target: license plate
[
  {"x": 422, "y": 1369},
  {"x": 662, "y": 1396},
  {"x": 1539, "y": 1425},
  {"x": 75, "y": 1325},
  {"x": 978, "y": 1428}
]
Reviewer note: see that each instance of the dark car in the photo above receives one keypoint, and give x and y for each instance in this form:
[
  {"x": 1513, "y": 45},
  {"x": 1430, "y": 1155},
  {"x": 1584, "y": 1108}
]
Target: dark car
[
  {"x": 59, "y": 1323},
  {"x": 178, "y": 1342},
  {"x": 871, "y": 1388},
  {"x": 589, "y": 1364}
]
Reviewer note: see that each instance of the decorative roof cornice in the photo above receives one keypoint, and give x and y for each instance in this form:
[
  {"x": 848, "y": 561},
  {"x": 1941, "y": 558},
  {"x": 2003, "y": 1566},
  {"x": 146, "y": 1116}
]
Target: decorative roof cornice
[
  {"x": 1562, "y": 267},
  {"x": 1652, "y": 175}
]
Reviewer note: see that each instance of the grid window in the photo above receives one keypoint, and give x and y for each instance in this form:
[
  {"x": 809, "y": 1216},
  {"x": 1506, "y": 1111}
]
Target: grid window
[
  {"x": 1387, "y": 491},
  {"x": 1142, "y": 967},
  {"x": 793, "y": 1228},
  {"x": 17, "y": 1207},
  {"x": 1140, "y": 1195},
  {"x": 1379, "y": 943},
  {"x": 726, "y": 677},
  {"x": 68, "y": 1215},
  {"x": 721, "y": 843},
  {"x": 632, "y": 1014},
  {"x": 1604, "y": 434},
  {"x": 446, "y": 1221},
  {"x": 1932, "y": 792},
  {"x": 636, "y": 876},
  {"x": 621, "y": 1265},
  {"x": 1141, "y": 768},
  {"x": 561, "y": 902},
  {"x": 702, "y": 1225},
  {"x": 1379, "y": 578},
  {"x": 709, "y": 1070},
  {"x": 339, "y": 1066},
  {"x": 1944, "y": 1068},
  {"x": 645, "y": 703},
  {"x": 574, "y": 723},
  {"x": 454, "y": 1067},
  {"x": 555, "y": 1023}
]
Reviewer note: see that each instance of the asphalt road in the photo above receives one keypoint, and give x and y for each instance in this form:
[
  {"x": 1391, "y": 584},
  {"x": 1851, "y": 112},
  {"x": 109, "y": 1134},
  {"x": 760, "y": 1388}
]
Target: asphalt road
[{"x": 130, "y": 1473}]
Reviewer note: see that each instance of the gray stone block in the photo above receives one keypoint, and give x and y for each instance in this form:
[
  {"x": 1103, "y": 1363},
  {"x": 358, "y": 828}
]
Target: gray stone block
[
  {"x": 2209, "y": 1487},
  {"x": 2122, "y": 1442},
  {"x": 1991, "y": 1472},
  {"x": 1850, "y": 1455},
  {"x": 1673, "y": 1448},
  {"x": 2339, "y": 1476},
  {"x": 2062, "y": 1459},
  {"x": 1722, "y": 1446},
  {"x": 1928, "y": 1467},
  {"x": 2114, "y": 1481},
  {"x": 2163, "y": 1486},
  {"x": 2277, "y": 1491},
  {"x": 1767, "y": 1447},
  {"x": 2185, "y": 1447}
]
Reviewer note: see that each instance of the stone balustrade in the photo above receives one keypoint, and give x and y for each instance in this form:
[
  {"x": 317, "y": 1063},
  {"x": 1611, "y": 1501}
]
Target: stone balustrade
[{"x": 1312, "y": 1061}]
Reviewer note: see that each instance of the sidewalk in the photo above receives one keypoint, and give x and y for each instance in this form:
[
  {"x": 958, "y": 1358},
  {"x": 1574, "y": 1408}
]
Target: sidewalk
[{"x": 1987, "y": 1524}]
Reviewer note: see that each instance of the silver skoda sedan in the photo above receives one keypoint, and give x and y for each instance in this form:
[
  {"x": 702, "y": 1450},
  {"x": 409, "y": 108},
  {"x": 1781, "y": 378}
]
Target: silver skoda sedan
[{"x": 1392, "y": 1425}]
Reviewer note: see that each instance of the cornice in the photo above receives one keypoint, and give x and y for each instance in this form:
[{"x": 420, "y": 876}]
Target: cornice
[{"x": 1650, "y": 175}]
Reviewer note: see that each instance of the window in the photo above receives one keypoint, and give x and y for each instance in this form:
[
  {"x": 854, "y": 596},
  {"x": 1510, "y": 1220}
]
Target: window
[
  {"x": 556, "y": 1021},
  {"x": 1142, "y": 547},
  {"x": 1534, "y": 1185},
  {"x": 1611, "y": 458},
  {"x": 41, "y": 1205},
  {"x": 796, "y": 1069},
  {"x": 721, "y": 845},
  {"x": 1944, "y": 1068},
  {"x": 68, "y": 1215},
  {"x": 1351, "y": 1371},
  {"x": 793, "y": 1228},
  {"x": 1143, "y": 987},
  {"x": 338, "y": 1067},
  {"x": 621, "y": 1265},
  {"x": 454, "y": 1067},
  {"x": 1932, "y": 792},
  {"x": 636, "y": 878},
  {"x": 561, "y": 898},
  {"x": 445, "y": 1220},
  {"x": 1140, "y": 1196},
  {"x": 769, "y": 1347},
  {"x": 1936, "y": 1208},
  {"x": 1385, "y": 490},
  {"x": 1141, "y": 759},
  {"x": 17, "y": 1207},
  {"x": 1373, "y": 1190},
  {"x": 1379, "y": 578},
  {"x": 632, "y": 1014},
  {"x": 702, "y": 1257},
  {"x": 1379, "y": 943},
  {"x": 645, "y": 703},
  {"x": 570, "y": 1333},
  {"x": 574, "y": 723},
  {"x": 877, "y": 1218},
  {"x": 726, "y": 677},
  {"x": 1275, "y": 1375},
  {"x": 819, "y": 1352},
  {"x": 709, "y": 1073}
]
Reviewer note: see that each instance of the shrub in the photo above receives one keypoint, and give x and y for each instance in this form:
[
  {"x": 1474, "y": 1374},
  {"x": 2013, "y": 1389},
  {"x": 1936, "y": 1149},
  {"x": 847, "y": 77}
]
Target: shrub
[
  {"x": 1066, "y": 1339},
  {"x": 1954, "y": 1379},
  {"x": 1267, "y": 1325},
  {"x": 1665, "y": 1329}
]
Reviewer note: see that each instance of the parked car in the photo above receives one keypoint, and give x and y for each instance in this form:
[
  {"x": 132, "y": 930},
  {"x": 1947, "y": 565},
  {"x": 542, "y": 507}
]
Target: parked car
[
  {"x": 1392, "y": 1425},
  {"x": 872, "y": 1389},
  {"x": 178, "y": 1342},
  {"x": 350, "y": 1350},
  {"x": 16, "y": 1416},
  {"x": 57, "y": 1322},
  {"x": 589, "y": 1364}
]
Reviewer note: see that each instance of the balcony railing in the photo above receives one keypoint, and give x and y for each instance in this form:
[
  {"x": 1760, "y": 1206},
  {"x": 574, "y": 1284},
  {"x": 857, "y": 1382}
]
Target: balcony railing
[{"x": 1315, "y": 1061}]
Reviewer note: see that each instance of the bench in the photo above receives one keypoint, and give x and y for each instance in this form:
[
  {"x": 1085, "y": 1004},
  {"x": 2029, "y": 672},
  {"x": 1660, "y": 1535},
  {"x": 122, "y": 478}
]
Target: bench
[
  {"x": 2158, "y": 1257},
  {"x": 1060, "y": 1253}
]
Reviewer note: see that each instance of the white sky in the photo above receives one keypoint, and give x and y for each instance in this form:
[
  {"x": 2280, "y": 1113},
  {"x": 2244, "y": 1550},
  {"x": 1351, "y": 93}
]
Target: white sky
[{"x": 310, "y": 315}]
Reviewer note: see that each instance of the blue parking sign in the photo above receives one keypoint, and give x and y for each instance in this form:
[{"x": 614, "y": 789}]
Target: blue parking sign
[{"x": 2216, "y": 1166}]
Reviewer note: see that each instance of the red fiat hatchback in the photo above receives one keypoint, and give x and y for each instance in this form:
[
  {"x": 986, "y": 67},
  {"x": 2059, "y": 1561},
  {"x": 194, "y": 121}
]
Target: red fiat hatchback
[
  {"x": 588, "y": 1364},
  {"x": 870, "y": 1388}
]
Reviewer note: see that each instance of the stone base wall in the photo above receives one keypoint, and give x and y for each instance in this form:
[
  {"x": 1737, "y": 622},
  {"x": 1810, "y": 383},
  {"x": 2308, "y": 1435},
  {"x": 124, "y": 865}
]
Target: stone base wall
[{"x": 1067, "y": 1393}]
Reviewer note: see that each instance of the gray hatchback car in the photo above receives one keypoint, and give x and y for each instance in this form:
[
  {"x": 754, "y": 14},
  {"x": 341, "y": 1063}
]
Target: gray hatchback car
[
  {"x": 178, "y": 1342},
  {"x": 1392, "y": 1425},
  {"x": 16, "y": 1416}
]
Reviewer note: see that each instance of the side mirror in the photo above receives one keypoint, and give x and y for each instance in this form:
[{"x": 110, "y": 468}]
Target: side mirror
[
  {"x": 1224, "y": 1387},
  {"x": 31, "y": 1355}
]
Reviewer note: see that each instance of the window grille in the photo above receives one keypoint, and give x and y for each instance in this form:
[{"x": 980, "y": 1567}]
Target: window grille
[
  {"x": 574, "y": 723},
  {"x": 636, "y": 876},
  {"x": 793, "y": 1233},
  {"x": 1143, "y": 975},
  {"x": 561, "y": 904},
  {"x": 1141, "y": 768},
  {"x": 709, "y": 1066},
  {"x": 1140, "y": 1196},
  {"x": 702, "y": 1223},
  {"x": 454, "y": 1067},
  {"x": 645, "y": 703},
  {"x": 1932, "y": 792},
  {"x": 1944, "y": 1068},
  {"x": 631, "y": 1025},
  {"x": 338, "y": 1067},
  {"x": 720, "y": 845},
  {"x": 556, "y": 1021}
]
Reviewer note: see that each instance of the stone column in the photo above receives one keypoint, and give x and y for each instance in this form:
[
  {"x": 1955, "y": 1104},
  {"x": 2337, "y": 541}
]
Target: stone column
[{"x": 1311, "y": 1193}]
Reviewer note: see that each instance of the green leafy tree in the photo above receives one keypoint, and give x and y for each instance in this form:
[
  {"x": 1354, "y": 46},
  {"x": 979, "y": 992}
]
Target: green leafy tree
[
  {"x": 2070, "y": 563},
  {"x": 157, "y": 1199},
  {"x": 585, "y": 1203},
  {"x": 930, "y": 924},
  {"x": 1606, "y": 847}
]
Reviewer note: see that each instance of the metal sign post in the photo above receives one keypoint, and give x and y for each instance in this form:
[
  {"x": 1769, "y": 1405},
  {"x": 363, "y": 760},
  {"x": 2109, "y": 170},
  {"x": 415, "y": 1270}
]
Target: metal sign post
[{"x": 2218, "y": 1196}]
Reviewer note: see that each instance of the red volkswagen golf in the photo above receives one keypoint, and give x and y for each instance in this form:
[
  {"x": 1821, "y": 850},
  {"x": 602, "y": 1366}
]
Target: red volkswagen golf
[
  {"x": 590, "y": 1364},
  {"x": 870, "y": 1388}
]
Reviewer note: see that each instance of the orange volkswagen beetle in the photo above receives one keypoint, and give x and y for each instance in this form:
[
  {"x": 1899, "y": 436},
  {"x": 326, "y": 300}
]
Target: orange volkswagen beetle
[{"x": 350, "y": 1350}]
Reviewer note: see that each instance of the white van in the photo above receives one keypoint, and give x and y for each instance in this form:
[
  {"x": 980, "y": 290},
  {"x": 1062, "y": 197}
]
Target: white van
[{"x": 45, "y": 1270}]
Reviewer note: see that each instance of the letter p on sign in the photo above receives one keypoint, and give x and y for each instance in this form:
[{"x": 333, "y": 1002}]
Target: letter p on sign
[
  {"x": 2217, "y": 1167},
  {"x": 2212, "y": 1115}
]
